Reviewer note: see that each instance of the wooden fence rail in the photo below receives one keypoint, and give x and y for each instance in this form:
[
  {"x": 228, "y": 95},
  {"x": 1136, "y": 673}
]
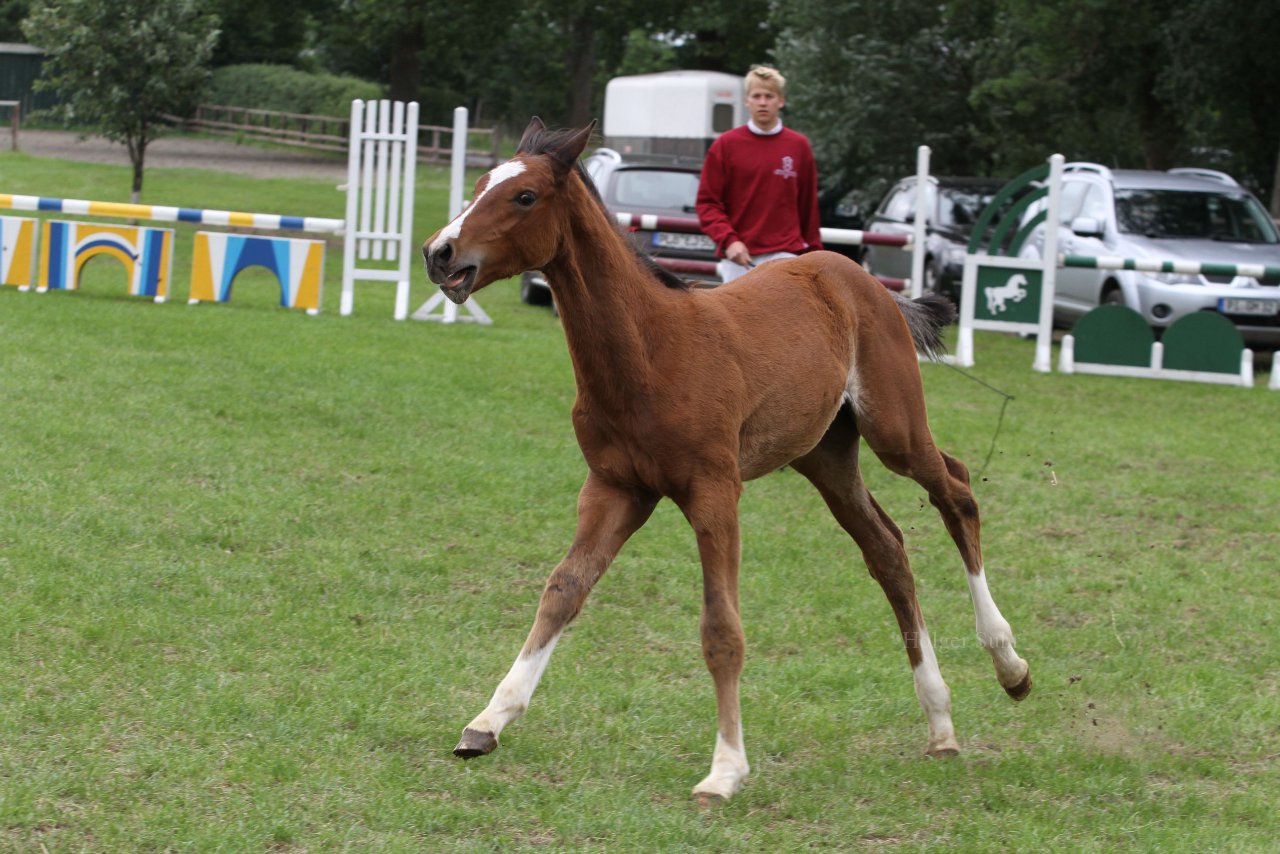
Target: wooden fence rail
[{"x": 330, "y": 133}]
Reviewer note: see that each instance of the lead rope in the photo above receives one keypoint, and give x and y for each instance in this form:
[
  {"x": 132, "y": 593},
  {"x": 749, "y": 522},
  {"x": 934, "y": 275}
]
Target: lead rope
[{"x": 999, "y": 422}]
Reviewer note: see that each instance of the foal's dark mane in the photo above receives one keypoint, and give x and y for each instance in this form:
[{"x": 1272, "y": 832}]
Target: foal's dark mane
[{"x": 545, "y": 141}]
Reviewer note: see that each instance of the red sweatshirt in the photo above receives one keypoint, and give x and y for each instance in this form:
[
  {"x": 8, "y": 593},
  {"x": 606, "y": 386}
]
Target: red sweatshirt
[{"x": 762, "y": 190}]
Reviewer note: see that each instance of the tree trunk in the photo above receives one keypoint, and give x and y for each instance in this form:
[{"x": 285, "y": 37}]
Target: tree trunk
[
  {"x": 580, "y": 61},
  {"x": 1275, "y": 189},
  {"x": 137, "y": 146},
  {"x": 406, "y": 66},
  {"x": 1158, "y": 130}
]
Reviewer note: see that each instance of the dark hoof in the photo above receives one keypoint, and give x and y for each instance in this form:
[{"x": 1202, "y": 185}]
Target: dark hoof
[
  {"x": 475, "y": 743},
  {"x": 708, "y": 801},
  {"x": 1022, "y": 689}
]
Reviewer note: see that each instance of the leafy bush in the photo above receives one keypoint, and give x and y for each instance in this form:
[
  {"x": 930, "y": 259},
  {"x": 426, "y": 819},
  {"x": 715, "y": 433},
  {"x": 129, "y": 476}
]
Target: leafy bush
[{"x": 280, "y": 87}]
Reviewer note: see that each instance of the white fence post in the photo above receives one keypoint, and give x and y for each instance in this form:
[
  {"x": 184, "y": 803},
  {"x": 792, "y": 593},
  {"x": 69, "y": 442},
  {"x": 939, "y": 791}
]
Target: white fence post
[
  {"x": 381, "y": 169},
  {"x": 920, "y": 225}
]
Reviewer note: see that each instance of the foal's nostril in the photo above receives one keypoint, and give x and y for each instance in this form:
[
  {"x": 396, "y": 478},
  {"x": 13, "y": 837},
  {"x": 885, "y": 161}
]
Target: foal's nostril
[
  {"x": 439, "y": 258},
  {"x": 443, "y": 254}
]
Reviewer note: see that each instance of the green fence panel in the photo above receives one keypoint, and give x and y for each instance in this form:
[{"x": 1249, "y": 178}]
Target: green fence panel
[
  {"x": 1203, "y": 341},
  {"x": 1113, "y": 335}
]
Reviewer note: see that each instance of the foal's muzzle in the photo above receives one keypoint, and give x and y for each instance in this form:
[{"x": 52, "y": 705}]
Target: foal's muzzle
[{"x": 454, "y": 278}]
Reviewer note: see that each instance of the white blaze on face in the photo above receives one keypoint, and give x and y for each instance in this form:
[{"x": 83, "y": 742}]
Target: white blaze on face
[{"x": 510, "y": 169}]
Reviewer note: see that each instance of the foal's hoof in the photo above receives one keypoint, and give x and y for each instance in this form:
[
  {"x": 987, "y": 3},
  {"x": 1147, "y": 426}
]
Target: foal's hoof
[
  {"x": 943, "y": 750},
  {"x": 709, "y": 800},
  {"x": 1022, "y": 689},
  {"x": 475, "y": 743}
]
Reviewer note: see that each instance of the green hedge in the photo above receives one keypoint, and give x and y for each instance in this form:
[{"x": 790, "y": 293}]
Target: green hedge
[{"x": 280, "y": 87}]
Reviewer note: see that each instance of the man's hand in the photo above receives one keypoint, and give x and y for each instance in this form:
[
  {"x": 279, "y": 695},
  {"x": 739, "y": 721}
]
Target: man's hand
[{"x": 738, "y": 254}]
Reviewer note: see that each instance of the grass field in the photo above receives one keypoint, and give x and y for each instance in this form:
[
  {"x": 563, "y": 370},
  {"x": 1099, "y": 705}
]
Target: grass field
[{"x": 258, "y": 569}]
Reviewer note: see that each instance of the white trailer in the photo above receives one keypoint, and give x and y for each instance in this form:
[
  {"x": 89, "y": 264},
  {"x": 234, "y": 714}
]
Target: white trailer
[{"x": 671, "y": 112}]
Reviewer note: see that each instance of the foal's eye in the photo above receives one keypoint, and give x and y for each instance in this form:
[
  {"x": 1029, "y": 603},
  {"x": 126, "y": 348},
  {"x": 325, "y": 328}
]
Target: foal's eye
[{"x": 526, "y": 199}]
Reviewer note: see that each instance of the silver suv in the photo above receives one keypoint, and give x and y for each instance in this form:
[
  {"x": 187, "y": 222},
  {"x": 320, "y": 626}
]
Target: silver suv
[{"x": 1194, "y": 215}]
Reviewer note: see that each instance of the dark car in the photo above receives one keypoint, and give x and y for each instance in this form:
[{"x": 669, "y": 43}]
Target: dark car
[
  {"x": 845, "y": 213},
  {"x": 953, "y": 206},
  {"x": 668, "y": 186},
  {"x": 665, "y": 186}
]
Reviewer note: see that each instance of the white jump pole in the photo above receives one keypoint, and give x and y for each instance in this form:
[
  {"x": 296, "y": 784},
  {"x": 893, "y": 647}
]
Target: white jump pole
[
  {"x": 458, "y": 161},
  {"x": 921, "y": 223},
  {"x": 457, "y": 174},
  {"x": 1044, "y": 359},
  {"x": 353, "y": 182}
]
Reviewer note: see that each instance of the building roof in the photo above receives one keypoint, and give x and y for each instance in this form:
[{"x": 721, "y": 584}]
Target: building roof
[{"x": 14, "y": 47}]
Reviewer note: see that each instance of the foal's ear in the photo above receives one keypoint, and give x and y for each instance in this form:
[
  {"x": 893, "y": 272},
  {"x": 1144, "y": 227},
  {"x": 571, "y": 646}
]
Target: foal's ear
[
  {"x": 567, "y": 153},
  {"x": 535, "y": 127}
]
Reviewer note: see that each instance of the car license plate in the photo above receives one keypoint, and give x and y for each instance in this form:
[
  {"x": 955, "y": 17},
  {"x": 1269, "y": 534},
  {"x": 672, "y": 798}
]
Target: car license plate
[
  {"x": 694, "y": 242},
  {"x": 1252, "y": 307}
]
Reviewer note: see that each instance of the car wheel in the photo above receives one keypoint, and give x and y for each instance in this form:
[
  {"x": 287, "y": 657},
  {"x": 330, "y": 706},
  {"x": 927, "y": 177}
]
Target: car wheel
[
  {"x": 1113, "y": 296},
  {"x": 931, "y": 277},
  {"x": 533, "y": 294}
]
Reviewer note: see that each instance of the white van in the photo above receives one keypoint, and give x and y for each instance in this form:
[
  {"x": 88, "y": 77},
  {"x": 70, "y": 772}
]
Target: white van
[{"x": 671, "y": 112}]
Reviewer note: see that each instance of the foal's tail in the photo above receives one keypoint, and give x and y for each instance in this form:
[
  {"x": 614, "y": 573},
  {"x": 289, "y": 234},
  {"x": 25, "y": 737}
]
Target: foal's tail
[{"x": 926, "y": 318}]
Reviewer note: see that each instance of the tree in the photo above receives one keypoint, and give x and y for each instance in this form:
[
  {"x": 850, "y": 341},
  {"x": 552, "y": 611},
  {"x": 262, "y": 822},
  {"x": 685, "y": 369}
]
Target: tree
[
  {"x": 1224, "y": 80},
  {"x": 11, "y": 14},
  {"x": 121, "y": 65},
  {"x": 995, "y": 86},
  {"x": 278, "y": 32},
  {"x": 1143, "y": 83},
  {"x": 1083, "y": 78},
  {"x": 870, "y": 80},
  {"x": 714, "y": 35}
]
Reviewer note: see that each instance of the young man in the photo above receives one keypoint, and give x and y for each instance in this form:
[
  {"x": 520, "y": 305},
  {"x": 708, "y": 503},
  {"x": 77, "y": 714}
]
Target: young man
[{"x": 758, "y": 197}]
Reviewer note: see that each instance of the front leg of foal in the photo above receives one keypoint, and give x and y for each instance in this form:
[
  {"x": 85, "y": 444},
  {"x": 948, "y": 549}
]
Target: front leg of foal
[
  {"x": 713, "y": 513},
  {"x": 607, "y": 517}
]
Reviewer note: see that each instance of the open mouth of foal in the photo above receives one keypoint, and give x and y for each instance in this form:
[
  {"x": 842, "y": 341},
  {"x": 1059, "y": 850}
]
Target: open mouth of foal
[{"x": 457, "y": 287}]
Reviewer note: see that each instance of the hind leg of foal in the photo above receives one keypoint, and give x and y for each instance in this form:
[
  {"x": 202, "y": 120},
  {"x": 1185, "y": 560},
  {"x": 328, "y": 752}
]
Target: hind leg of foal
[
  {"x": 607, "y": 517},
  {"x": 903, "y": 442},
  {"x": 833, "y": 468},
  {"x": 953, "y": 497}
]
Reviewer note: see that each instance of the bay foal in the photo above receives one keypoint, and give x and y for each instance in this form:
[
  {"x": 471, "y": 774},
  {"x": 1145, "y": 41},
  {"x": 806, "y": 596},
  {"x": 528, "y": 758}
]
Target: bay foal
[{"x": 686, "y": 394}]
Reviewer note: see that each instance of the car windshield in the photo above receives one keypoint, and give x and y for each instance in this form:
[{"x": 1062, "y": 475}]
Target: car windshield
[
  {"x": 960, "y": 207},
  {"x": 1191, "y": 215},
  {"x": 655, "y": 188}
]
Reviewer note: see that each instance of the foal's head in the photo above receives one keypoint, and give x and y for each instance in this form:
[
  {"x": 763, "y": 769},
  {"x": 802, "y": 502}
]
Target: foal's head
[{"x": 516, "y": 217}]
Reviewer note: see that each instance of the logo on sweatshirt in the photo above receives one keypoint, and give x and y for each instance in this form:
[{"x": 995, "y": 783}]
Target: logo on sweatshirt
[{"x": 788, "y": 169}]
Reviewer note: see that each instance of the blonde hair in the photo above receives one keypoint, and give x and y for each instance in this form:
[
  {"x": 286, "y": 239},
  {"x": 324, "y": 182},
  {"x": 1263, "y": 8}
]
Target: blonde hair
[{"x": 764, "y": 77}]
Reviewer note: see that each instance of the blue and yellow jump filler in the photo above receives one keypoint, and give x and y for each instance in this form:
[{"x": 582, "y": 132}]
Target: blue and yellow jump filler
[
  {"x": 298, "y": 266},
  {"x": 17, "y": 251},
  {"x": 145, "y": 252}
]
